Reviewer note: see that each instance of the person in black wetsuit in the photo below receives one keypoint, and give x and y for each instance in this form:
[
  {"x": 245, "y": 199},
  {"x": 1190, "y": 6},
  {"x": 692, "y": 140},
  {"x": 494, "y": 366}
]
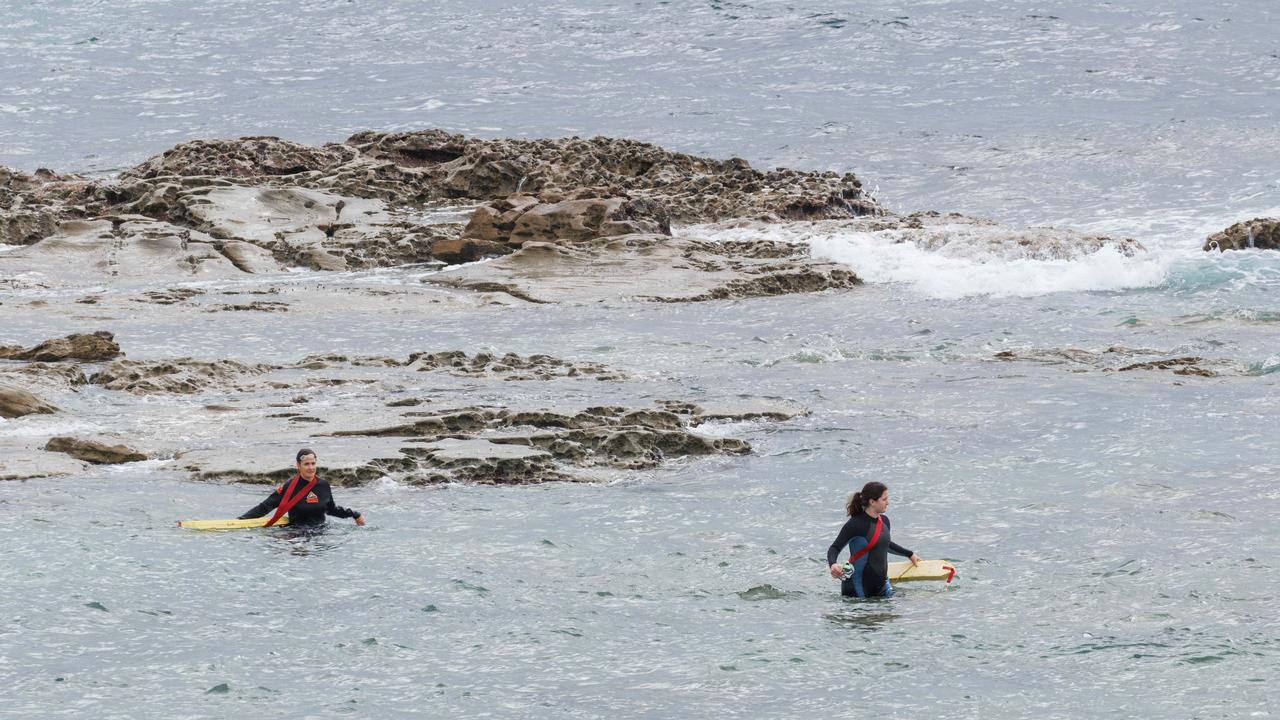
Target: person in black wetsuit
[
  {"x": 311, "y": 509},
  {"x": 870, "y": 576}
]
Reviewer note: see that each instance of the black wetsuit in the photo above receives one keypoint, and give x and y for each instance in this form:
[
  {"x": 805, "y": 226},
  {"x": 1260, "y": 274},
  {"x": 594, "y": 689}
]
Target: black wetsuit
[
  {"x": 310, "y": 510},
  {"x": 870, "y": 576}
]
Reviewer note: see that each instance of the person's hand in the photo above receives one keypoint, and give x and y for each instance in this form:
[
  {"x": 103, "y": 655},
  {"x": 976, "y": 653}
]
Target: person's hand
[
  {"x": 360, "y": 520},
  {"x": 915, "y": 559},
  {"x": 837, "y": 572}
]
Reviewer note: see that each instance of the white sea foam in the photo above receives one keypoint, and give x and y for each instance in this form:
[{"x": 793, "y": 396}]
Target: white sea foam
[
  {"x": 948, "y": 261},
  {"x": 727, "y": 428},
  {"x": 387, "y": 484}
]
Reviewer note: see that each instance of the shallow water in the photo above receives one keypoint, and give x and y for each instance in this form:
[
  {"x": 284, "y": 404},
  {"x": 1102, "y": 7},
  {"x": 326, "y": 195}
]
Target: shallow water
[{"x": 1113, "y": 530}]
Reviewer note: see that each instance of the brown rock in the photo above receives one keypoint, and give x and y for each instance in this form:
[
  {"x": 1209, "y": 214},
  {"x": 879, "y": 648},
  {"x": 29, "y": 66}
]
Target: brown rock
[
  {"x": 462, "y": 250},
  {"x": 90, "y": 347},
  {"x": 693, "y": 189},
  {"x": 94, "y": 451},
  {"x": 1258, "y": 233},
  {"x": 520, "y": 219},
  {"x": 16, "y": 402}
]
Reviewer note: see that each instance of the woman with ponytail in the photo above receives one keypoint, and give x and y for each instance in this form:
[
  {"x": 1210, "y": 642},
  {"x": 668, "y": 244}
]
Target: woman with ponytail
[{"x": 866, "y": 534}]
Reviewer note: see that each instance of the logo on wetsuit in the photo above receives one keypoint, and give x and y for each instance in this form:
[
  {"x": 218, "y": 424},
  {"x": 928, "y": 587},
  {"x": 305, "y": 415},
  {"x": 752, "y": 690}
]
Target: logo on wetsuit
[{"x": 311, "y": 498}]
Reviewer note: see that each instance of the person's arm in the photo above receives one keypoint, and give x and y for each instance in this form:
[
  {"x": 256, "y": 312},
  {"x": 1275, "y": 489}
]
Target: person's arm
[
  {"x": 266, "y": 506},
  {"x": 897, "y": 549},
  {"x": 337, "y": 511},
  {"x": 842, "y": 540}
]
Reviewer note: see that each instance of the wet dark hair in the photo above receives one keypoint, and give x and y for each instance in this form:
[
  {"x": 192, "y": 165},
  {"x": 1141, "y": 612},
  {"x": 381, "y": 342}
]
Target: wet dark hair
[
  {"x": 303, "y": 453},
  {"x": 859, "y": 500}
]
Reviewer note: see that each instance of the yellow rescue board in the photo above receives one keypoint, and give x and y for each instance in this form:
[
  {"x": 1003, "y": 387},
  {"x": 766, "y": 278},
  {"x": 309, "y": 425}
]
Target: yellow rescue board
[
  {"x": 230, "y": 524},
  {"x": 927, "y": 570}
]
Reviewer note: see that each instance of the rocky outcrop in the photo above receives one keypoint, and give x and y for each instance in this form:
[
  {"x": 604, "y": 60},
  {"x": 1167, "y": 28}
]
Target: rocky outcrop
[
  {"x": 217, "y": 209},
  {"x": 246, "y": 157},
  {"x": 178, "y": 376},
  {"x": 16, "y": 402},
  {"x": 522, "y": 445},
  {"x": 437, "y": 443},
  {"x": 247, "y": 190},
  {"x": 86, "y": 347},
  {"x": 28, "y": 213},
  {"x": 1258, "y": 233},
  {"x": 693, "y": 189},
  {"x": 94, "y": 451}
]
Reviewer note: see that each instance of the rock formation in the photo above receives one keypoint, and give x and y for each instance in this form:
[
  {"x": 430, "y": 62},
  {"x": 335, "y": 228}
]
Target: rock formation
[
  {"x": 1258, "y": 233},
  {"x": 88, "y": 347},
  {"x": 16, "y": 402},
  {"x": 94, "y": 451}
]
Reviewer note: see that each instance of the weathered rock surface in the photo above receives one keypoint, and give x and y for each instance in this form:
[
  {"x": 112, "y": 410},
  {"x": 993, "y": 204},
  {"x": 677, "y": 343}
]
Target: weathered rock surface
[
  {"x": 351, "y": 205},
  {"x": 509, "y": 366},
  {"x": 650, "y": 267},
  {"x": 135, "y": 249},
  {"x": 1258, "y": 233},
  {"x": 247, "y": 157},
  {"x": 16, "y": 402},
  {"x": 87, "y": 347},
  {"x": 27, "y": 214},
  {"x": 478, "y": 444},
  {"x": 94, "y": 451},
  {"x": 22, "y": 461},
  {"x": 344, "y": 461},
  {"x": 181, "y": 375},
  {"x": 521, "y": 219},
  {"x": 187, "y": 375},
  {"x": 485, "y": 462},
  {"x": 693, "y": 189}
]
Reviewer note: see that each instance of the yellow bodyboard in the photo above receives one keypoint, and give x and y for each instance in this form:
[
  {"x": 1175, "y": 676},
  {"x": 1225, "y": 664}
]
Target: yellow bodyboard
[
  {"x": 927, "y": 570},
  {"x": 230, "y": 524}
]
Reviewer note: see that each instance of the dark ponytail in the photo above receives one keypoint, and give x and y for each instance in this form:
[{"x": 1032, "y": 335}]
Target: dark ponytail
[{"x": 859, "y": 500}]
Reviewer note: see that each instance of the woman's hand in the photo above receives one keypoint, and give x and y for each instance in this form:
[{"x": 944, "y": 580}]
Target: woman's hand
[
  {"x": 915, "y": 559},
  {"x": 837, "y": 572},
  {"x": 360, "y": 520}
]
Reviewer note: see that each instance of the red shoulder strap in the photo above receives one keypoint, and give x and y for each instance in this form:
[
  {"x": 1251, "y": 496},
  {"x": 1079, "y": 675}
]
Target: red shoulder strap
[
  {"x": 875, "y": 538},
  {"x": 287, "y": 502}
]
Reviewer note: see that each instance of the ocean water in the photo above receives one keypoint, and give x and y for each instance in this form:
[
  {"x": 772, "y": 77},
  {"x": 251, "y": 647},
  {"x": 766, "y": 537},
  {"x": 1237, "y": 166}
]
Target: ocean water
[{"x": 1113, "y": 530}]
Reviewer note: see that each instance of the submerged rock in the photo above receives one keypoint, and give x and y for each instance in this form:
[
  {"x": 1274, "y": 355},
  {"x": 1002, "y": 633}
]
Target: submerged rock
[
  {"x": 481, "y": 461},
  {"x": 475, "y": 440},
  {"x": 1122, "y": 359}
]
